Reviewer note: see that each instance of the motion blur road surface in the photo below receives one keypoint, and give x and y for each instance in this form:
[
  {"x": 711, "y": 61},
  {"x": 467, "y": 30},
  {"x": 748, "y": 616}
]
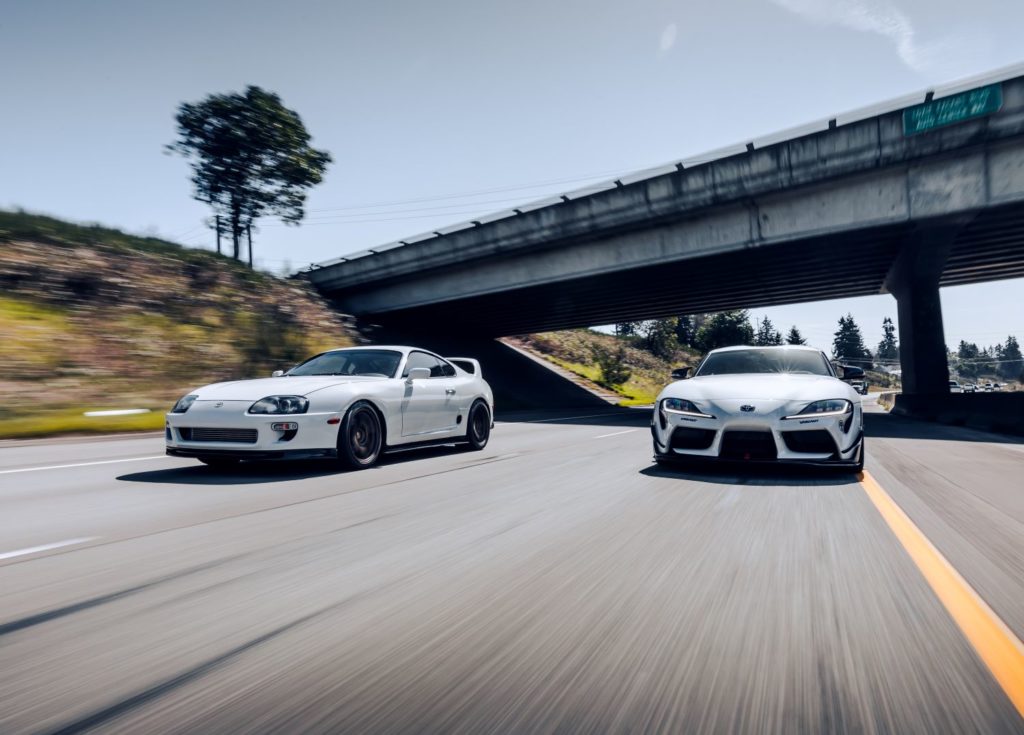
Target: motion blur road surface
[{"x": 557, "y": 581}]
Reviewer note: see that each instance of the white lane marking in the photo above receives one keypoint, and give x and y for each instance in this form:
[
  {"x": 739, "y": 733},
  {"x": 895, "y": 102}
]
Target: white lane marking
[
  {"x": 616, "y": 433},
  {"x": 117, "y": 412},
  {"x": 46, "y": 547},
  {"x": 567, "y": 418},
  {"x": 81, "y": 464}
]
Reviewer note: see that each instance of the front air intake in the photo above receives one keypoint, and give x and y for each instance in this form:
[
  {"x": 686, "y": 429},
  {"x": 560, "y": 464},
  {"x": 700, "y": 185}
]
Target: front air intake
[
  {"x": 748, "y": 445},
  {"x": 685, "y": 437},
  {"x": 818, "y": 441},
  {"x": 230, "y": 436}
]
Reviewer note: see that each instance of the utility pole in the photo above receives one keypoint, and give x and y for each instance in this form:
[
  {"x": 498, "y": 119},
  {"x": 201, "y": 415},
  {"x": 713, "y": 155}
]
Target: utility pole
[
  {"x": 217, "y": 218},
  {"x": 248, "y": 236}
]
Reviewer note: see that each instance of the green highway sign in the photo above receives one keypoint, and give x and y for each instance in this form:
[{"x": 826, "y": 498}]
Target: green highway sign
[{"x": 953, "y": 109}]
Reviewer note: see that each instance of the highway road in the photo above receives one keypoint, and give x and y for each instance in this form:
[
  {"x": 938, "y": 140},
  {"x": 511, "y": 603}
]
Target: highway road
[{"x": 556, "y": 581}]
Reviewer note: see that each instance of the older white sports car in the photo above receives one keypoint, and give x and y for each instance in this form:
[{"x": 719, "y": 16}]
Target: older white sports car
[
  {"x": 352, "y": 404},
  {"x": 774, "y": 404}
]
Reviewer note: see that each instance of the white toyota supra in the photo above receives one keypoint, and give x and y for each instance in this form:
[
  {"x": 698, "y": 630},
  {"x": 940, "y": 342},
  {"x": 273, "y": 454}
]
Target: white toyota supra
[
  {"x": 353, "y": 404},
  {"x": 768, "y": 404}
]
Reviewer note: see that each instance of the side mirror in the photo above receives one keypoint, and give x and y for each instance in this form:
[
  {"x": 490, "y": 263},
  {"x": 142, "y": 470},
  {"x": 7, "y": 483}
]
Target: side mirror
[
  {"x": 277, "y": 373},
  {"x": 418, "y": 374},
  {"x": 681, "y": 373},
  {"x": 852, "y": 373}
]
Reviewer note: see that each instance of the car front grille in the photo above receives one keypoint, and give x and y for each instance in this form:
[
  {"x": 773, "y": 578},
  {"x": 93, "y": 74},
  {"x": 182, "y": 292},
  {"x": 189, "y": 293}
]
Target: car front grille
[
  {"x": 748, "y": 445},
  {"x": 685, "y": 437},
  {"x": 818, "y": 441},
  {"x": 233, "y": 436}
]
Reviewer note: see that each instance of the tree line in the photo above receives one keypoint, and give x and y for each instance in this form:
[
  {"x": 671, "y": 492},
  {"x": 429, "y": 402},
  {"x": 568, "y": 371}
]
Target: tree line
[
  {"x": 1003, "y": 360},
  {"x": 705, "y": 332}
]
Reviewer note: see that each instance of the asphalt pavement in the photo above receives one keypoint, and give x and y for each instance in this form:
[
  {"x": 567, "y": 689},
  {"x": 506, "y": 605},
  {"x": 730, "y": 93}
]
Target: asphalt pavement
[{"x": 557, "y": 581}]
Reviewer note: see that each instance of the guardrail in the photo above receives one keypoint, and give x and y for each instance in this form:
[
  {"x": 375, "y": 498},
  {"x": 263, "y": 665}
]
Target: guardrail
[{"x": 998, "y": 412}]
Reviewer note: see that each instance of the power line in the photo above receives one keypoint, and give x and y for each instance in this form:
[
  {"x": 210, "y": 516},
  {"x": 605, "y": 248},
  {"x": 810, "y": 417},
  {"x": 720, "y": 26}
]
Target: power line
[
  {"x": 186, "y": 233},
  {"x": 386, "y": 219},
  {"x": 478, "y": 192},
  {"x": 506, "y": 200},
  {"x": 950, "y": 358}
]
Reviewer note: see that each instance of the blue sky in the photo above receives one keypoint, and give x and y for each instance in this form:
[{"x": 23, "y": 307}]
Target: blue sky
[{"x": 435, "y": 112}]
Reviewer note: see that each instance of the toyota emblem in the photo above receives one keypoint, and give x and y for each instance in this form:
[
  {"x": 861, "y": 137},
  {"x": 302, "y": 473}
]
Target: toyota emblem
[{"x": 747, "y": 408}]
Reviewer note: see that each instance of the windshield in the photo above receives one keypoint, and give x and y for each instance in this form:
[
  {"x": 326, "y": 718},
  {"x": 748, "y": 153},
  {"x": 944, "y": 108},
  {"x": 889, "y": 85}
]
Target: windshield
[
  {"x": 372, "y": 363},
  {"x": 754, "y": 360}
]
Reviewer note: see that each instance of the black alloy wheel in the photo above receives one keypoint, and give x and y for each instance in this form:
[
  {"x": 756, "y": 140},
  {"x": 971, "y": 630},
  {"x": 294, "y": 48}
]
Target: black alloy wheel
[
  {"x": 361, "y": 437},
  {"x": 478, "y": 428}
]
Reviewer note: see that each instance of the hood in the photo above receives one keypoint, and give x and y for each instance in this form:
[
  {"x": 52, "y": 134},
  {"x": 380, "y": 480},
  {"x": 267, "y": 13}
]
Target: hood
[
  {"x": 253, "y": 390},
  {"x": 761, "y": 386}
]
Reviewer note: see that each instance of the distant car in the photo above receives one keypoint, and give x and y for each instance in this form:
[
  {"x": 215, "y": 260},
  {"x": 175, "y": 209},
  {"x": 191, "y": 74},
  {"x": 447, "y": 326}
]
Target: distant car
[
  {"x": 861, "y": 386},
  {"x": 969, "y": 387},
  {"x": 955, "y": 387},
  {"x": 353, "y": 404},
  {"x": 762, "y": 404}
]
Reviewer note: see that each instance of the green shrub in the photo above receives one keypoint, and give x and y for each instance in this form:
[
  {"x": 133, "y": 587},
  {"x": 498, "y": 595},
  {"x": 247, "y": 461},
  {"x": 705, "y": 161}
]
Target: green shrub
[{"x": 613, "y": 367}]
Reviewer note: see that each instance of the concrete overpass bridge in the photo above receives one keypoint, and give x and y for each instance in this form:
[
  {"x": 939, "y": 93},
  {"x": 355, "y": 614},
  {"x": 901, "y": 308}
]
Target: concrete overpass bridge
[{"x": 903, "y": 198}]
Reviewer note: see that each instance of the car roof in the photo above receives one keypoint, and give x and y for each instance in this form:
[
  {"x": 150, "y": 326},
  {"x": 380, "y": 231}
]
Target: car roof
[
  {"x": 393, "y": 348},
  {"x": 735, "y": 348}
]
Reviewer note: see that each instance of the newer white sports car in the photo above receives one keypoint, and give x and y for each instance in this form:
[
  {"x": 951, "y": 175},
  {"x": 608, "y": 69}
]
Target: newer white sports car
[
  {"x": 769, "y": 404},
  {"x": 352, "y": 404}
]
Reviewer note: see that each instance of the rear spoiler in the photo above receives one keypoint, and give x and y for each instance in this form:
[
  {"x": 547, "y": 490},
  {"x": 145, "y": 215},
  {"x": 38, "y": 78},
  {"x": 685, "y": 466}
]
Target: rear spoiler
[{"x": 468, "y": 364}]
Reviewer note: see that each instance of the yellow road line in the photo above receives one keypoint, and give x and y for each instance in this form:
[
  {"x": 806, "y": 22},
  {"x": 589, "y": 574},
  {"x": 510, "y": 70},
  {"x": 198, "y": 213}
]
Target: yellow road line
[{"x": 999, "y": 649}]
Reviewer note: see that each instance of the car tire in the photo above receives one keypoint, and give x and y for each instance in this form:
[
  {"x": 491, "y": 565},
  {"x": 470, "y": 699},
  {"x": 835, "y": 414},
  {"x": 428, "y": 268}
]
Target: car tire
[
  {"x": 478, "y": 426},
  {"x": 219, "y": 463},
  {"x": 361, "y": 437}
]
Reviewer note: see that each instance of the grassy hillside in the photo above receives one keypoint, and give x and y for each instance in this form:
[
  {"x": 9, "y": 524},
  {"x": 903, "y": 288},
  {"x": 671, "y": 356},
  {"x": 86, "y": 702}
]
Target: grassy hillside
[
  {"x": 574, "y": 350},
  {"x": 94, "y": 319}
]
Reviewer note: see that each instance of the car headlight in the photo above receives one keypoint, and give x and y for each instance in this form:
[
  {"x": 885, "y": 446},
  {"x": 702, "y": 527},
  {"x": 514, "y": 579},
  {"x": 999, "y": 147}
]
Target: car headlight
[
  {"x": 828, "y": 407},
  {"x": 183, "y": 403},
  {"x": 683, "y": 406},
  {"x": 280, "y": 404}
]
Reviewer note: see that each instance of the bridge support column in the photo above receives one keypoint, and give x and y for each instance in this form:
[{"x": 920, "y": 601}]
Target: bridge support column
[{"x": 914, "y": 281}]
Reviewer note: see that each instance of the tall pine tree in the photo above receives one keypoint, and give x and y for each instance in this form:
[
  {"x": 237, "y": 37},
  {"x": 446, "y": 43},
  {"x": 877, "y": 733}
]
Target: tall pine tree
[
  {"x": 767, "y": 334},
  {"x": 1011, "y": 365},
  {"x": 848, "y": 344},
  {"x": 968, "y": 364},
  {"x": 888, "y": 349},
  {"x": 794, "y": 337}
]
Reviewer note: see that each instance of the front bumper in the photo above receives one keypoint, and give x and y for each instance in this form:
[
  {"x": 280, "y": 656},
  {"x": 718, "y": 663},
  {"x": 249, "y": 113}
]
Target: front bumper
[
  {"x": 314, "y": 436},
  {"x": 816, "y": 441},
  {"x": 253, "y": 455}
]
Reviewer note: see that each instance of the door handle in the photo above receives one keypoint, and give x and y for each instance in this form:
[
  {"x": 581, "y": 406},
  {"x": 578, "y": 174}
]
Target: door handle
[{"x": 449, "y": 391}]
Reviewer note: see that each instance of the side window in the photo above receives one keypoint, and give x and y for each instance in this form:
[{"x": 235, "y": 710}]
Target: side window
[
  {"x": 447, "y": 370},
  {"x": 422, "y": 360}
]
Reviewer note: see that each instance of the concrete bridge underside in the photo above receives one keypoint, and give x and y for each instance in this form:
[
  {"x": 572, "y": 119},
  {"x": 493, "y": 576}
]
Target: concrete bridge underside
[{"x": 836, "y": 266}]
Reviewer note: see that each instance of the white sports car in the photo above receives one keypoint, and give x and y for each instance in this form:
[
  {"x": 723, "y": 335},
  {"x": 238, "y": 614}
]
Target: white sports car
[
  {"x": 772, "y": 404},
  {"x": 352, "y": 404}
]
